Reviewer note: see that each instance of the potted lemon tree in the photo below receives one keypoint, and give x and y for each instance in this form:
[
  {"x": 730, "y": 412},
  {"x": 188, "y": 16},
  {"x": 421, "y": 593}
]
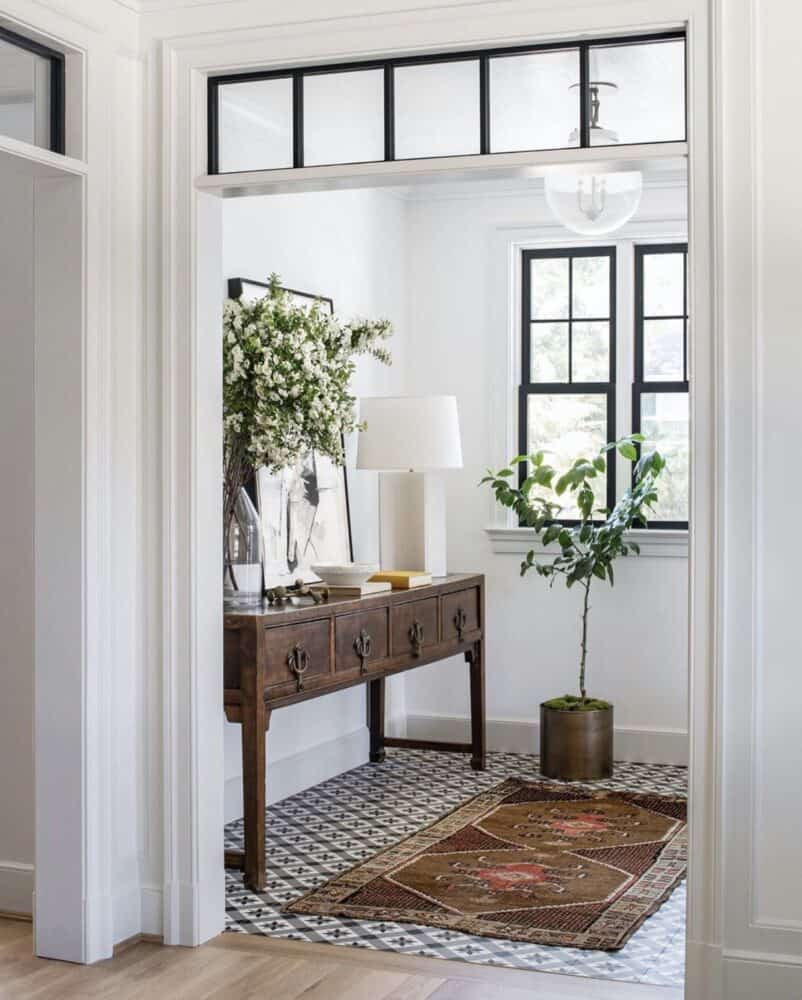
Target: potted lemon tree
[{"x": 576, "y": 730}]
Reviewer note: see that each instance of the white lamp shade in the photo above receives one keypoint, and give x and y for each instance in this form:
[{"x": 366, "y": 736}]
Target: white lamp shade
[{"x": 411, "y": 433}]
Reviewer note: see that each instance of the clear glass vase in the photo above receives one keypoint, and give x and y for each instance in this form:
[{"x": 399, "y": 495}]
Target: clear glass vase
[{"x": 243, "y": 576}]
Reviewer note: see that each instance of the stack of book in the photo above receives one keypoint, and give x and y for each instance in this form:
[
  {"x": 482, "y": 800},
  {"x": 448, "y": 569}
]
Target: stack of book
[
  {"x": 366, "y": 589},
  {"x": 402, "y": 579}
]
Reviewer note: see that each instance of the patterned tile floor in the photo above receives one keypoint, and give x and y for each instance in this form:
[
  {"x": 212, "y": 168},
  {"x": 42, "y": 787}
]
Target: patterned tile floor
[{"x": 324, "y": 830}]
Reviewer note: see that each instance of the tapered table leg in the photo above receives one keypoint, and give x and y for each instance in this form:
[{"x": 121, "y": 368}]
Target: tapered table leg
[
  {"x": 255, "y": 721},
  {"x": 376, "y": 719},
  {"x": 476, "y": 660}
]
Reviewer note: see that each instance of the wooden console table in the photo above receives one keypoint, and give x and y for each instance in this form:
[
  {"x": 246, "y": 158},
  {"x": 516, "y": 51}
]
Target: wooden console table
[{"x": 279, "y": 656}]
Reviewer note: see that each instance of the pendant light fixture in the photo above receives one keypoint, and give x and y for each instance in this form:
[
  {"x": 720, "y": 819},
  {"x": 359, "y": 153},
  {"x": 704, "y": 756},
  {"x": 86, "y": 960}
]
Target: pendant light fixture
[{"x": 593, "y": 204}]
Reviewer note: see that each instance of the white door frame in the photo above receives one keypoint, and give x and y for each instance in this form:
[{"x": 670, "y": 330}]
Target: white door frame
[{"x": 191, "y": 406}]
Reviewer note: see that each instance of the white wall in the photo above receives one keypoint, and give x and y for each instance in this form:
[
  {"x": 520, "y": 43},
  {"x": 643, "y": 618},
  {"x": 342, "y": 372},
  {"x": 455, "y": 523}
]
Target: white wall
[
  {"x": 349, "y": 246},
  {"x": 458, "y": 248},
  {"x": 16, "y": 542}
]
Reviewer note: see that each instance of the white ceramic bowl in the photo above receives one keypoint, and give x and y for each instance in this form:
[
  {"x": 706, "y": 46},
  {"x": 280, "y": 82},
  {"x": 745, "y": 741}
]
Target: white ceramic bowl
[{"x": 345, "y": 574}]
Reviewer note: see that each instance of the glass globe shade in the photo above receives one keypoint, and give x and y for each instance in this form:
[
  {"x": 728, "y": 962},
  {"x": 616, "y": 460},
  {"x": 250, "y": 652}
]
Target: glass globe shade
[{"x": 593, "y": 204}]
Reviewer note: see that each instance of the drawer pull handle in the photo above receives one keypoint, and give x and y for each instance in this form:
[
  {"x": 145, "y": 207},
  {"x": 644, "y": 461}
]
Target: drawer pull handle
[
  {"x": 416, "y": 637},
  {"x": 298, "y": 662},
  {"x": 460, "y": 621},
  {"x": 362, "y": 647}
]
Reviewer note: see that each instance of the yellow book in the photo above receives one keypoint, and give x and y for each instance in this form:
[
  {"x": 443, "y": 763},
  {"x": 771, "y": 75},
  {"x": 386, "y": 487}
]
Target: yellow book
[{"x": 402, "y": 579}]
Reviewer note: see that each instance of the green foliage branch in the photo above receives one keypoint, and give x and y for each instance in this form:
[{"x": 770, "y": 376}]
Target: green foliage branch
[{"x": 588, "y": 548}]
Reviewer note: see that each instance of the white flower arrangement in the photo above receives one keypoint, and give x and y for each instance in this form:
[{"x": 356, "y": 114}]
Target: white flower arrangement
[{"x": 286, "y": 375}]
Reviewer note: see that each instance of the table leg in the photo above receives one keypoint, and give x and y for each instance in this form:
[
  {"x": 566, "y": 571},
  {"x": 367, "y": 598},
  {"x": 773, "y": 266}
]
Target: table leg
[
  {"x": 376, "y": 719},
  {"x": 255, "y": 722},
  {"x": 476, "y": 661}
]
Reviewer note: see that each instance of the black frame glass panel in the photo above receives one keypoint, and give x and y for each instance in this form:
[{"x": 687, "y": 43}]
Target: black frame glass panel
[
  {"x": 528, "y": 388},
  {"x": 57, "y": 113},
  {"x": 641, "y": 386},
  {"x": 389, "y": 65}
]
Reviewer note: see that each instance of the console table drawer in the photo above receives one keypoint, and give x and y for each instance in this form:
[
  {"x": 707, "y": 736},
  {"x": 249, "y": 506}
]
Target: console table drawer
[
  {"x": 298, "y": 656},
  {"x": 460, "y": 613},
  {"x": 361, "y": 640},
  {"x": 414, "y": 626}
]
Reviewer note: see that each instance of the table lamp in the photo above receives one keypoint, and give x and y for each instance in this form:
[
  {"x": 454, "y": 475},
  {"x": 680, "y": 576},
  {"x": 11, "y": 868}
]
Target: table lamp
[{"x": 419, "y": 435}]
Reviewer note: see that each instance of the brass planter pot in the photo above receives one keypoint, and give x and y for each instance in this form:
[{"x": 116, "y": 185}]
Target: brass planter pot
[{"x": 576, "y": 746}]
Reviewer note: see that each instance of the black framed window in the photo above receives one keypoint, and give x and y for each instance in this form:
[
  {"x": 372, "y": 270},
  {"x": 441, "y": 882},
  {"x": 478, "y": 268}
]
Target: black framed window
[
  {"x": 31, "y": 92},
  {"x": 567, "y": 391},
  {"x": 524, "y": 98},
  {"x": 660, "y": 397}
]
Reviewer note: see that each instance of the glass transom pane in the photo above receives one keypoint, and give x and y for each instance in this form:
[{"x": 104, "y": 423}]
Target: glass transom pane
[
  {"x": 344, "y": 117},
  {"x": 663, "y": 284},
  {"x": 24, "y": 95},
  {"x": 665, "y": 426},
  {"x": 648, "y": 104},
  {"x": 255, "y": 125},
  {"x": 549, "y": 352},
  {"x": 533, "y": 103},
  {"x": 663, "y": 350},
  {"x": 567, "y": 426},
  {"x": 549, "y": 287},
  {"x": 591, "y": 287},
  {"x": 590, "y": 354},
  {"x": 437, "y": 109}
]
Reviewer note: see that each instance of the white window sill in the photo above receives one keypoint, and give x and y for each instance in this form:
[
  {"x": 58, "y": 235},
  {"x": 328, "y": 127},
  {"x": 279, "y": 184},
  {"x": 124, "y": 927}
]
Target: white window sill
[{"x": 669, "y": 544}]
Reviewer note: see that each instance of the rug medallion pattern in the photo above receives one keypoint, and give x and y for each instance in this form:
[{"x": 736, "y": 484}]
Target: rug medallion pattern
[{"x": 569, "y": 866}]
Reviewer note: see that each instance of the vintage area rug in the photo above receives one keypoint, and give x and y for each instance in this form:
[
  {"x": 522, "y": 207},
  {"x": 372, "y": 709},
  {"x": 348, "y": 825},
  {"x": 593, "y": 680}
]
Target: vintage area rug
[{"x": 528, "y": 861}]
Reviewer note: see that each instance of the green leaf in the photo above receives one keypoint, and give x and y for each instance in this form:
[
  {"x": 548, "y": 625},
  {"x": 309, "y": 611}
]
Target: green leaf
[
  {"x": 599, "y": 464},
  {"x": 628, "y": 451}
]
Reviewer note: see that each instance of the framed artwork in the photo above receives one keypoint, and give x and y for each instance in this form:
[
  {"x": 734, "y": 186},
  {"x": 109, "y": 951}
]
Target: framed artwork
[
  {"x": 303, "y": 509},
  {"x": 248, "y": 290}
]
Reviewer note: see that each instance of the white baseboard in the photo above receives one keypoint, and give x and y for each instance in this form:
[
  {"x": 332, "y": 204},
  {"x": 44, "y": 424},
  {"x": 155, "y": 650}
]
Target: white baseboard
[
  {"x": 757, "y": 975},
  {"x": 648, "y": 746},
  {"x": 302, "y": 770},
  {"x": 16, "y": 887}
]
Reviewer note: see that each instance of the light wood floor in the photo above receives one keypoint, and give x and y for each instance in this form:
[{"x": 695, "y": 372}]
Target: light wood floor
[{"x": 237, "y": 966}]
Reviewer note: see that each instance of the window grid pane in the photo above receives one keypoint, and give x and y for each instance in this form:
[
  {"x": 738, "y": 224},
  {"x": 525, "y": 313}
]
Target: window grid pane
[
  {"x": 660, "y": 403},
  {"x": 568, "y": 405}
]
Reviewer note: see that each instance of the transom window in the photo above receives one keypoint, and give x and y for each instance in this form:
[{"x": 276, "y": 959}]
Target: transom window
[
  {"x": 567, "y": 393},
  {"x": 31, "y": 92},
  {"x": 534, "y": 97}
]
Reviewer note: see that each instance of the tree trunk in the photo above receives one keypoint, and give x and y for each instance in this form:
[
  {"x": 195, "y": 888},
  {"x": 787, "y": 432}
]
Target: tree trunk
[{"x": 584, "y": 644}]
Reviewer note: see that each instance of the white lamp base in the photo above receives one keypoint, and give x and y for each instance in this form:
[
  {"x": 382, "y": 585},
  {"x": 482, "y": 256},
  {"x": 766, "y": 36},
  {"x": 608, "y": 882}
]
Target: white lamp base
[{"x": 412, "y": 525}]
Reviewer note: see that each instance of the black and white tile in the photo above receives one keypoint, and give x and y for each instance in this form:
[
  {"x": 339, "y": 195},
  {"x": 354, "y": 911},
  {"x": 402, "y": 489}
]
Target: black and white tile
[{"x": 324, "y": 830}]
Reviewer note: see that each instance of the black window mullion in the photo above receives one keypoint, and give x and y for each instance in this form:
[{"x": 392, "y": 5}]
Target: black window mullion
[
  {"x": 297, "y": 119},
  {"x": 570, "y": 319},
  {"x": 389, "y": 112},
  {"x": 484, "y": 105},
  {"x": 584, "y": 95},
  {"x": 685, "y": 315}
]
